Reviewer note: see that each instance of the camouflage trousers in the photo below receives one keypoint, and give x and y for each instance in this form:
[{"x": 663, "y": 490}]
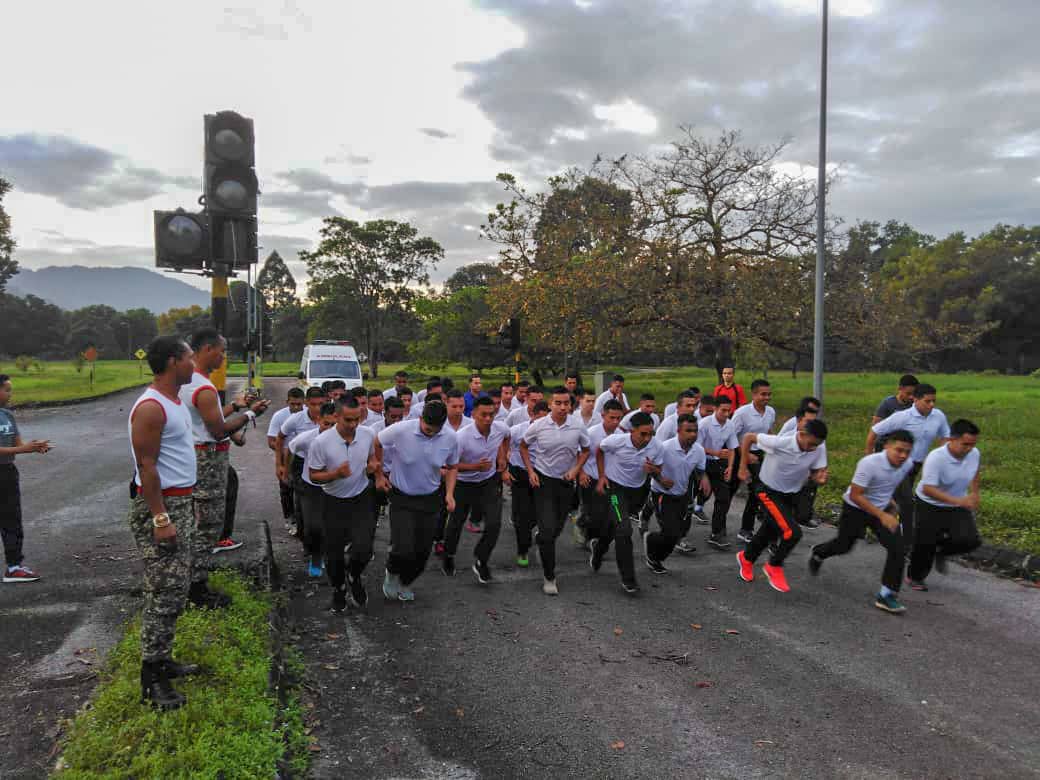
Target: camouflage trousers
[
  {"x": 211, "y": 508},
  {"x": 167, "y": 572}
]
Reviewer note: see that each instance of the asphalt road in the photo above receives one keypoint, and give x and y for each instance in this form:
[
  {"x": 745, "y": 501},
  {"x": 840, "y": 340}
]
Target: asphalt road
[{"x": 501, "y": 681}]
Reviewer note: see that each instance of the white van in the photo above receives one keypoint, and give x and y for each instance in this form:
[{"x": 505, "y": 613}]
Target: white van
[{"x": 324, "y": 361}]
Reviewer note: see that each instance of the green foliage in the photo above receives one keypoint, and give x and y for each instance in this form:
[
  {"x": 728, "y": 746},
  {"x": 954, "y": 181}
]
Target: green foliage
[
  {"x": 456, "y": 328},
  {"x": 289, "y": 328},
  {"x": 30, "y": 324},
  {"x": 8, "y": 265},
  {"x": 23, "y": 363},
  {"x": 276, "y": 284},
  {"x": 230, "y": 727},
  {"x": 184, "y": 321},
  {"x": 78, "y": 362}
]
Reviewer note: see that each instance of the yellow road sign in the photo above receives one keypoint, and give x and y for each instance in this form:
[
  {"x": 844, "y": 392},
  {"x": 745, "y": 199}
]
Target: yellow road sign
[{"x": 140, "y": 354}]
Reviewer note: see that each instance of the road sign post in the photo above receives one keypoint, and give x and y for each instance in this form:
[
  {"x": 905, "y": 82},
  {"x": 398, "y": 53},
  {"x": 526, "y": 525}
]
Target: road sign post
[{"x": 140, "y": 355}]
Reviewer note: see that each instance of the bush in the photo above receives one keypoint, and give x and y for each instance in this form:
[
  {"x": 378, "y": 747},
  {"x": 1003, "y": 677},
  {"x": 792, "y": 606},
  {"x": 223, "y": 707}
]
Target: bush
[
  {"x": 78, "y": 361},
  {"x": 23, "y": 363},
  {"x": 1036, "y": 374}
]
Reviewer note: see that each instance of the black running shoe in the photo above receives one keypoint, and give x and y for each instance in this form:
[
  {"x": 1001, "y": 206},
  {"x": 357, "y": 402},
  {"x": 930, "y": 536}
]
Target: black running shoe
[
  {"x": 630, "y": 588},
  {"x": 482, "y": 571},
  {"x": 718, "y": 541},
  {"x": 655, "y": 566},
  {"x": 339, "y": 599},
  {"x": 812, "y": 523},
  {"x": 595, "y": 557},
  {"x": 744, "y": 536},
  {"x": 448, "y": 566},
  {"x": 358, "y": 594},
  {"x": 940, "y": 563},
  {"x": 814, "y": 562}
]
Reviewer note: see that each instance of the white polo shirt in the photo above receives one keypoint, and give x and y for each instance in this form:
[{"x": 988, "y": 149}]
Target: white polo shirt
[
  {"x": 878, "y": 478},
  {"x": 297, "y": 423},
  {"x": 787, "y": 427},
  {"x": 626, "y": 421},
  {"x": 713, "y": 436},
  {"x": 515, "y": 403},
  {"x": 188, "y": 395},
  {"x": 596, "y": 435},
  {"x": 623, "y": 463},
  {"x": 372, "y": 418},
  {"x": 925, "y": 430},
  {"x": 949, "y": 474},
  {"x": 788, "y": 466},
  {"x": 418, "y": 458},
  {"x": 554, "y": 448},
  {"x": 330, "y": 450},
  {"x": 475, "y": 447},
  {"x": 594, "y": 419},
  {"x": 465, "y": 422},
  {"x": 516, "y": 435},
  {"x": 518, "y": 416},
  {"x": 277, "y": 419},
  {"x": 748, "y": 420},
  {"x": 605, "y": 396},
  {"x": 501, "y": 415},
  {"x": 678, "y": 465},
  {"x": 300, "y": 447},
  {"x": 420, "y": 396},
  {"x": 390, "y": 392},
  {"x": 669, "y": 409}
]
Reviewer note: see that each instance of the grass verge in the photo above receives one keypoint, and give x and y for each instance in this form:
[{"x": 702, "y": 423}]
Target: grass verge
[
  {"x": 232, "y": 726},
  {"x": 60, "y": 381}
]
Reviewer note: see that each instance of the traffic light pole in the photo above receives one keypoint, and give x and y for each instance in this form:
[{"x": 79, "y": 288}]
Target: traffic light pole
[{"x": 218, "y": 307}]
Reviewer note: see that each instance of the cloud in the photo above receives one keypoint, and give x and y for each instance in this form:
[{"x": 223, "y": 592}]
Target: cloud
[
  {"x": 77, "y": 174},
  {"x": 433, "y": 132}
]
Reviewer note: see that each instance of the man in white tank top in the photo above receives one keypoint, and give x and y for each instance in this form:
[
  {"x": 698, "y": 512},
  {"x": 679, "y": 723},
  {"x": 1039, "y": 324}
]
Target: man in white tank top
[
  {"x": 162, "y": 515},
  {"x": 210, "y": 431}
]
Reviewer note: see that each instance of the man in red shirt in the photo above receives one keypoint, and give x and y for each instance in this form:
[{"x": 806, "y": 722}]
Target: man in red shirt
[{"x": 730, "y": 389}]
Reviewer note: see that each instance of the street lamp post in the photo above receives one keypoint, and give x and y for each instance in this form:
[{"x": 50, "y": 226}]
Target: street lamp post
[{"x": 821, "y": 209}]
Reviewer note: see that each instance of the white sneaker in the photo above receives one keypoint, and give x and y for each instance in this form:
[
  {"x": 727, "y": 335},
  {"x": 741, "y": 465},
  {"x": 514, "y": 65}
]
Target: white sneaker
[
  {"x": 392, "y": 586},
  {"x": 549, "y": 588}
]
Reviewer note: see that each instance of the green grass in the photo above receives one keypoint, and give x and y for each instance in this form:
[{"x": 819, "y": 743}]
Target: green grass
[
  {"x": 269, "y": 368},
  {"x": 1002, "y": 406},
  {"x": 231, "y": 726},
  {"x": 59, "y": 380}
]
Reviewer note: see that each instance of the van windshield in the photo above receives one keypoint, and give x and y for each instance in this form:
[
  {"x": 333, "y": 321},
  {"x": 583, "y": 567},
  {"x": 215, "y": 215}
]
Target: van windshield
[{"x": 334, "y": 369}]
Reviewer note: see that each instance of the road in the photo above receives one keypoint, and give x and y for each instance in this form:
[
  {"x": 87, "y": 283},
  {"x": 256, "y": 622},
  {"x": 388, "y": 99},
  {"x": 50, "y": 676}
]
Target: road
[{"x": 701, "y": 675}]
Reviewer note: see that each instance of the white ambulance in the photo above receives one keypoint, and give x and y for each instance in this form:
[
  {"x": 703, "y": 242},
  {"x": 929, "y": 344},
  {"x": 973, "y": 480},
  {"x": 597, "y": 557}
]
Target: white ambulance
[{"x": 324, "y": 361}]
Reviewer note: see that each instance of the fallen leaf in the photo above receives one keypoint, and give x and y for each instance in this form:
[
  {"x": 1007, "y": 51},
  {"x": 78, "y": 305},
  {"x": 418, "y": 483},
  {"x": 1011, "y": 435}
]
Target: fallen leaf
[
  {"x": 333, "y": 636},
  {"x": 331, "y": 667},
  {"x": 696, "y": 626},
  {"x": 618, "y": 745},
  {"x": 711, "y": 587},
  {"x": 314, "y": 748},
  {"x": 761, "y": 742},
  {"x": 732, "y": 631},
  {"x": 704, "y": 684},
  {"x": 418, "y": 710},
  {"x": 618, "y": 630}
]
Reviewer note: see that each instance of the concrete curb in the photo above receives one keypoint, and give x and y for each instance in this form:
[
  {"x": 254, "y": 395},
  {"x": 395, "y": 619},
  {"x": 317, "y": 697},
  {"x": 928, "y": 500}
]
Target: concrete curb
[{"x": 75, "y": 401}]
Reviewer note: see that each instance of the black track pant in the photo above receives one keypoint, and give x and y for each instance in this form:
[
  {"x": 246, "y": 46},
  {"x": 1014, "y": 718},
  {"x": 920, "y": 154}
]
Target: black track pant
[
  {"x": 852, "y": 526},
  {"x": 482, "y": 499},
  {"x": 521, "y": 508},
  {"x": 413, "y": 523},
  {"x": 231, "y": 504},
  {"x": 11, "y": 514},
  {"x": 747, "y": 520},
  {"x": 943, "y": 530},
  {"x": 622, "y": 512},
  {"x": 673, "y": 516},
  {"x": 348, "y": 521},
  {"x": 779, "y": 523},
  {"x": 552, "y": 502},
  {"x": 904, "y": 498},
  {"x": 285, "y": 497},
  {"x": 312, "y": 504},
  {"x": 723, "y": 496},
  {"x": 296, "y": 478}
]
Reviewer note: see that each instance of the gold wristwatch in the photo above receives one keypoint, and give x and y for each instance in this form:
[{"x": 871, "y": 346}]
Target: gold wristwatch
[{"x": 161, "y": 520}]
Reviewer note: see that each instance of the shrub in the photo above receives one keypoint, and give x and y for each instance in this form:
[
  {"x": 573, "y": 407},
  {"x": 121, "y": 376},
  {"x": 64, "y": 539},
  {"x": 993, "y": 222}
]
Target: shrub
[
  {"x": 23, "y": 363},
  {"x": 78, "y": 361}
]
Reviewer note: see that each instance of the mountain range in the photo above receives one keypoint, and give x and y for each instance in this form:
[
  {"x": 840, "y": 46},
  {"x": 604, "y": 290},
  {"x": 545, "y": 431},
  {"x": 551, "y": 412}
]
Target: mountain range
[{"x": 76, "y": 286}]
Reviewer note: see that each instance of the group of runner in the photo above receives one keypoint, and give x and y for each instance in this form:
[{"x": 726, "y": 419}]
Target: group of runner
[{"x": 441, "y": 457}]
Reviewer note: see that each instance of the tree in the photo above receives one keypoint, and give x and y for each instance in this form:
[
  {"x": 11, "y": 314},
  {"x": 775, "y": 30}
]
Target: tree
[
  {"x": 140, "y": 328},
  {"x": 473, "y": 275},
  {"x": 276, "y": 284},
  {"x": 96, "y": 326},
  {"x": 8, "y": 265},
  {"x": 184, "y": 322},
  {"x": 455, "y": 328},
  {"x": 31, "y": 326},
  {"x": 289, "y": 331},
  {"x": 365, "y": 275}
]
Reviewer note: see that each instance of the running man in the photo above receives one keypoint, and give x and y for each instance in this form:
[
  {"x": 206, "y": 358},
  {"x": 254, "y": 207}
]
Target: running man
[
  {"x": 901, "y": 401},
  {"x": 421, "y": 449},
  {"x": 287, "y": 466},
  {"x": 474, "y": 392},
  {"x": 730, "y": 389},
  {"x": 673, "y": 407},
  {"x": 755, "y": 417},
  {"x": 586, "y": 412},
  {"x": 312, "y": 500},
  {"x": 868, "y": 503},
  {"x": 293, "y": 404},
  {"x": 520, "y": 492},
  {"x": 808, "y": 404},
  {"x": 625, "y": 461},
  {"x": 616, "y": 392},
  {"x": 501, "y": 415},
  {"x": 532, "y": 395},
  {"x": 162, "y": 513},
  {"x": 211, "y": 431},
  {"x": 508, "y": 392},
  {"x": 648, "y": 406},
  {"x": 791, "y": 460},
  {"x": 947, "y": 500},
  {"x": 926, "y": 424},
  {"x": 594, "y": 505},
  {"x": 520, "y": 396},
  {"x": 683, "y": 462},
  {"x": 400, "y": 382},
  {"x": 483, "y": 448},
  {"x": 375, "y": 409},
  {"x": 686, "y": 403},
  {"x": 11, "y": 532},
  {"x": 716, "y": 436},
  {"x": 553, "y": 449},
  {"x": 340, "y": 461}
]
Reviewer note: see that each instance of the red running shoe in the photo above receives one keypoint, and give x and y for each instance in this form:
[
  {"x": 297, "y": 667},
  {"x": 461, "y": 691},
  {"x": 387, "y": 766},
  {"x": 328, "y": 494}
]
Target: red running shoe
[
  {"x": 20, "y": 574},
  {"x": 438, "y": 549},
  {"x": 473, "y": 528},
  {"x": 776, "y": 577},
  {"x": 747, "y": 571},
  {"x": 226, "y": 544}
]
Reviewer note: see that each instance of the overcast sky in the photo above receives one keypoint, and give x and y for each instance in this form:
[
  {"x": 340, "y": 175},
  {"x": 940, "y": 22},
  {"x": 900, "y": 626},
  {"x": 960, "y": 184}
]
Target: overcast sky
[{"x": 407, "y": 110}]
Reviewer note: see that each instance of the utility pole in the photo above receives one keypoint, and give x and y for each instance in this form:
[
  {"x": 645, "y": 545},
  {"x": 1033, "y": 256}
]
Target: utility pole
[{"x": 821, "y": 213}]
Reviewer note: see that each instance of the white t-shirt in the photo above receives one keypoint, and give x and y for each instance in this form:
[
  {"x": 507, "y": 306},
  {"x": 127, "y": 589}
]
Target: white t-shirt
[
  {"x": 554, "y": 448},
  {"x": 277, "y": 419},
  {"x": 623, "y": 463},
  {"x": 475, "y": 447},
  {"x": 713, "y": 436},
  {"x": 678, "y": 465},
  {"x": 949, "y": 474},
  {"x": 606, "y": 395},
  {"x": 418, "y": 458},
  {"x": 788, "y": 466},
  {"x": 300, "y": 447},
  {"x": 747, "y": 420},
  {"x": 878, "y": 478},
  {"x": 330, "y": 450},
  {"x": 516, "y": 435},
  {"x": 925, "y": 430},
  {"x": 596, "y": 435},
  {"x": 188, "y": 394},
  {"x": 625, "y": 423}
]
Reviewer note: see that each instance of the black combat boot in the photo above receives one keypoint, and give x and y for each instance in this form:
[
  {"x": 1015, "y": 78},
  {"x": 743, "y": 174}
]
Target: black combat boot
[
  {"x": 175, "y": 669},
  {"x": 200, "y": 595},
  {"x": 156, "y": 688}
]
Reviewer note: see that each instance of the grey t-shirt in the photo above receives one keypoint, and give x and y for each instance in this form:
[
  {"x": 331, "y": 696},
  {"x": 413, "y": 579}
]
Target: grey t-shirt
[
  {"x": 8, "y": 434},
  {"x": 890, "y": 406}
]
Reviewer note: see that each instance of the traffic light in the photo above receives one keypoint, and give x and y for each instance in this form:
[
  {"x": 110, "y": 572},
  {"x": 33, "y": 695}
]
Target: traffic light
[
  {"x": 229, "y": 181},
  {"x": 182, "y": 239}
]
